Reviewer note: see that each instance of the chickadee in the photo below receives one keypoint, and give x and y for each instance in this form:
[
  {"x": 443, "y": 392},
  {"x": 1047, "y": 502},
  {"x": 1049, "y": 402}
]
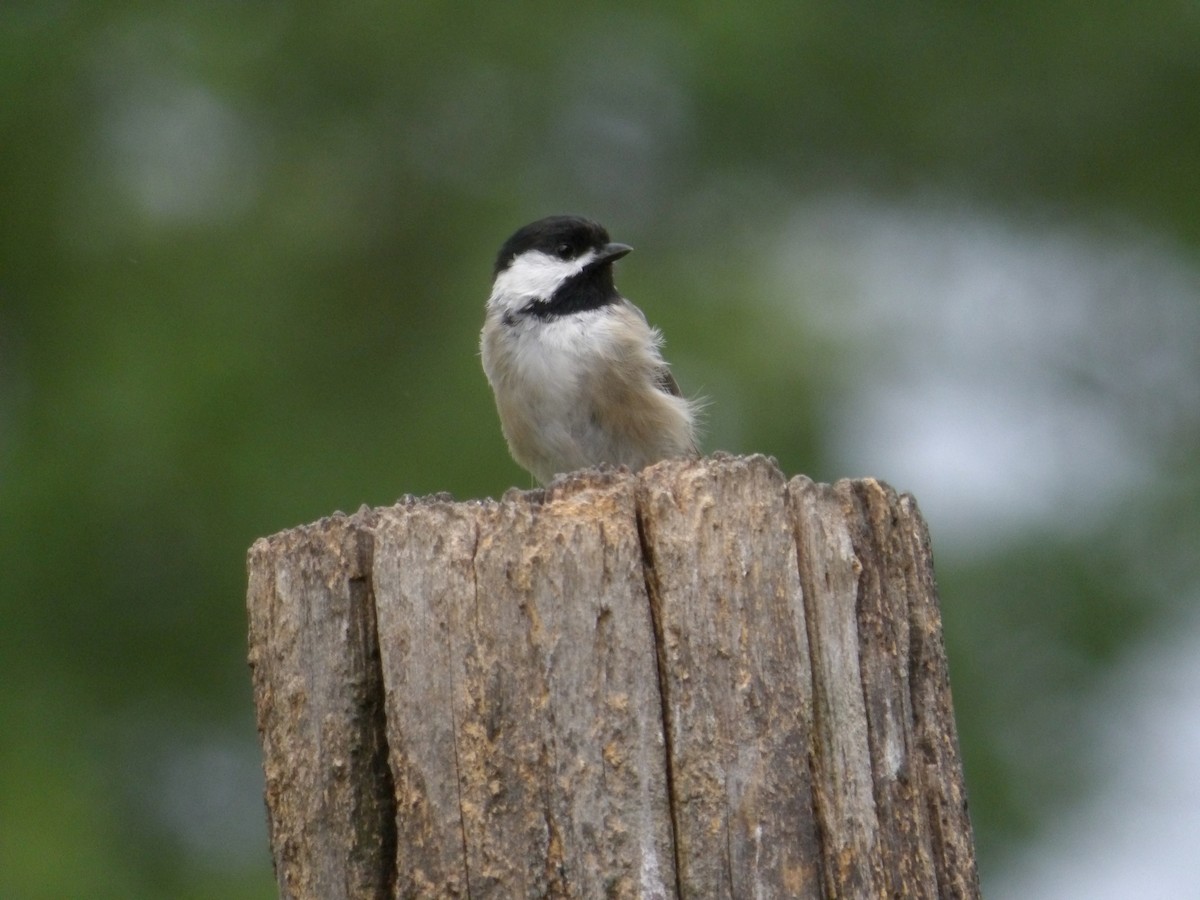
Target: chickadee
[{"x": 575, "y": 367}]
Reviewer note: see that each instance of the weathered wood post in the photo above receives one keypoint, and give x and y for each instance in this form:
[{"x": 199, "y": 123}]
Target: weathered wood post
[{"x": 700, "y": 681}]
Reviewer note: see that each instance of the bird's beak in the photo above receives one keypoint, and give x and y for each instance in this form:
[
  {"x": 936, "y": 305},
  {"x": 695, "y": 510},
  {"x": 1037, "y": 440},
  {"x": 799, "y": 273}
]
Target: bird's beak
[{"x": 612, "y": 252}]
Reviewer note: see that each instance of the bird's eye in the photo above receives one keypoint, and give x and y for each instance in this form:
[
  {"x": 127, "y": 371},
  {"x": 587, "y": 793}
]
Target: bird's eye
[{"x": 563, "y": 251}]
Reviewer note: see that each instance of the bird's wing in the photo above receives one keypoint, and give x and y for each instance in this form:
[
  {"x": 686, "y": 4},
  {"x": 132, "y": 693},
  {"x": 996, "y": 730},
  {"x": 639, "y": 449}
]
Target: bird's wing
[
  {"x": 662, "y": 375},
  {"x": 666, "y": 381}
]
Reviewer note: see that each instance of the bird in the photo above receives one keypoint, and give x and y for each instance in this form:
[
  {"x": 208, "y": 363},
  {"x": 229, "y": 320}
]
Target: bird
[{"x": 576, "y": 369}]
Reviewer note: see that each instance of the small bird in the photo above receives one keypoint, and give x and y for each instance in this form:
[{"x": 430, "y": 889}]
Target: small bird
[{"x": 576, "y": 369}]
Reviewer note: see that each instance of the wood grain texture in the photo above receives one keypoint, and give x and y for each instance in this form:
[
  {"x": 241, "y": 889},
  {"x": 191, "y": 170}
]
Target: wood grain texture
[
  {"x": 724, "y": 585},
  {"x": 697, "y": 681},
  {"x": 314, "y": 657},
  {"x": 534, "y": 733},
  {"x": 841, "y": 761},
  {"x": 935, "y": 732}
]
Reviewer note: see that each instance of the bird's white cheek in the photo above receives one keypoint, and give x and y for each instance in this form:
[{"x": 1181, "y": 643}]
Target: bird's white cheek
[{"x": 533, "y": 276}]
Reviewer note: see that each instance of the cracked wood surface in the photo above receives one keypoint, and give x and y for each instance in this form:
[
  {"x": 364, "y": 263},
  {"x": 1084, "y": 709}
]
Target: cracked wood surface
[{"x": 699, "y": 681}]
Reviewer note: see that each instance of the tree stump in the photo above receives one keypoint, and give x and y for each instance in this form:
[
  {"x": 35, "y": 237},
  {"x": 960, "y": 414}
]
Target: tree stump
[{"x": 701, "y": 681}]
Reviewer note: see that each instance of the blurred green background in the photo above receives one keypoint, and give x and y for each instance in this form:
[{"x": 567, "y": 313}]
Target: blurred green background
[{"x": 244, "y": 250}]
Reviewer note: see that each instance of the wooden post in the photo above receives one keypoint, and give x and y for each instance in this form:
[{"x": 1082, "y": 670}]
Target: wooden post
[{"x": 699, "y": 681}]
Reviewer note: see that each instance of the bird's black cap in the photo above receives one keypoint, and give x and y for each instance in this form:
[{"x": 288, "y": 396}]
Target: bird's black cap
[{"x": 564, "y": 236}]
